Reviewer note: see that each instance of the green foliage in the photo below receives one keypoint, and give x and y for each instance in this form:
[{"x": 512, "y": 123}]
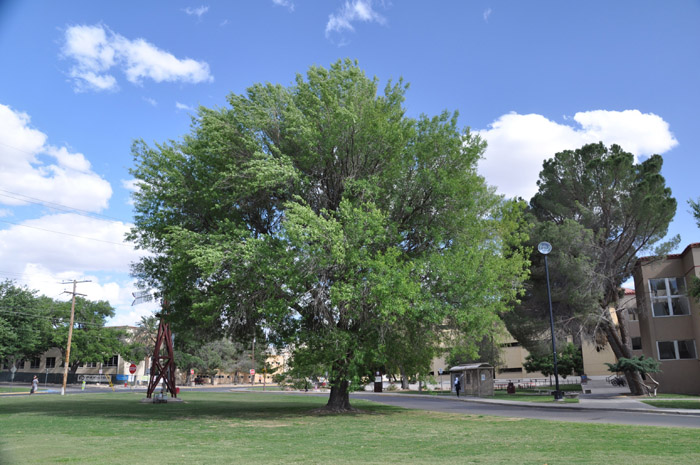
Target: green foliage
[
  {"x": 218, "y": 356},
  {"x": 91, "y": 341},
  {"x": 142, "y": 341},
  {"x": 31, "y": 324},
  {"x": 25, "y": 323},
  {"x": 599, "y": 210},
  {"x": 569, "y": 362},
  {"x": 467, "y": 351},
  {"x": 639, "y": 364},
  {"x": 324, "y": 215}
]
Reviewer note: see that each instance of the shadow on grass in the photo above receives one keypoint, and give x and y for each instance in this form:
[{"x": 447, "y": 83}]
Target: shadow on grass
[{"x": 200, "y": 406}]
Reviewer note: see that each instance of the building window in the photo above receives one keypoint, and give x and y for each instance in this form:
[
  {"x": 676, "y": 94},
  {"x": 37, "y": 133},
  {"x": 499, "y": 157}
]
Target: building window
[
  {"x": 50, "y": 362},
  {"x": 632, "y": 312},
  {"x": 668, "y": 297},
  {"x": 510, "y": 370},
  {"x": 90, "y": 364},
  {"x": 35, "y": 363},
  {"x": 677, "y": 350},
  {"x": 112, "y": 362},
  {"x": 19, "y": 364},
  {"x": 636, "y": 343}
]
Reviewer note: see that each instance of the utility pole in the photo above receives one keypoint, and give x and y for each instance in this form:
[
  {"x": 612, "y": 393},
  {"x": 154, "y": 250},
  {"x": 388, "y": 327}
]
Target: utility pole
[{"x": 70, "y": 332}]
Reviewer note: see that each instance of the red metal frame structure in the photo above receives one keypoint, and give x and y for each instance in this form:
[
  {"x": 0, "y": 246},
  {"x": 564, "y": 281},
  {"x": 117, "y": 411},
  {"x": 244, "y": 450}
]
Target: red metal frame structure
[{"x": 163, "y": 364}]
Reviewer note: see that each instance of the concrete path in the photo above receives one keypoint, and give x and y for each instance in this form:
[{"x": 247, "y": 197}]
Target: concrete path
[{"x": 613, "y": 411}]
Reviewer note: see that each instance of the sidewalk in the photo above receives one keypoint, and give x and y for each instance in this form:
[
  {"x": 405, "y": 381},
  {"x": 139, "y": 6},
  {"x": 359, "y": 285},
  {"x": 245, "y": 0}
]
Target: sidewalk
[{"x": 603, "y": 396}]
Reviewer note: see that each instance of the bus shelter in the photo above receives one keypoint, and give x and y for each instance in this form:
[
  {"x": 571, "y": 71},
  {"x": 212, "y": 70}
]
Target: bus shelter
[{"x": 476, "y": 379}]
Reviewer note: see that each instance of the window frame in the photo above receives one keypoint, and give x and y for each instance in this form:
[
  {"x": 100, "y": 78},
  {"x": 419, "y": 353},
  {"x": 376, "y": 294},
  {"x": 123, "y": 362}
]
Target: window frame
[
  {"x": 668, "y": 297},
  {"x": 636, "y": 339},
  {"x": 676, "y": 350}
]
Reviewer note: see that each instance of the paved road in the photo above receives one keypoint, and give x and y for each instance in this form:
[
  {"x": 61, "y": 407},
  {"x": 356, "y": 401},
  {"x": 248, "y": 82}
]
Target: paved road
[{"x": 555, "y": 412}]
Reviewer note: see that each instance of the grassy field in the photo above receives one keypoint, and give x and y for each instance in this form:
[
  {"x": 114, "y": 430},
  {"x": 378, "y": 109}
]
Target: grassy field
[
  {"x": 262, "y": 428},
  {"x": 17, "y": 389},
  {"x": 674, "y": 403}
]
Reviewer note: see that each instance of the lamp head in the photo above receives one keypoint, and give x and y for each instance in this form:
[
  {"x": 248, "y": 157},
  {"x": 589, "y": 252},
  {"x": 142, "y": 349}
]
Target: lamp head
[{"x": 544, "y": 247}]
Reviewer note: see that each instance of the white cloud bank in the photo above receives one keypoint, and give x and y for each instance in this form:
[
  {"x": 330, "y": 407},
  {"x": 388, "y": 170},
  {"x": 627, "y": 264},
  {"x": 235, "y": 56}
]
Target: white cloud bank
[
  {"x": 96, "y": 50},
  {"x": 43, "y": 251},
  {"x": 518, "y": 144},
  {"x": 30, "y": 166},
  {"x": 350, "y": 12}
]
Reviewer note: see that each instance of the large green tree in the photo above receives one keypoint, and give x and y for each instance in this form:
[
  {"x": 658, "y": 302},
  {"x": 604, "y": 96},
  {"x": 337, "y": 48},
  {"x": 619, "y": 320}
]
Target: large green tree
[
  {"x": 30, "y": 324},
  {"x": 600, "y": 210},
  {"x": 25, "y": 323},
  {"x": 321, "y": 217},
  {"x": 91, "y": 340}
]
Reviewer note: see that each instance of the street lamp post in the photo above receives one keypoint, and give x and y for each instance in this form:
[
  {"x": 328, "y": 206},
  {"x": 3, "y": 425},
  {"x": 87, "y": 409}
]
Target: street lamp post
[{"x": 544, "y": 248}]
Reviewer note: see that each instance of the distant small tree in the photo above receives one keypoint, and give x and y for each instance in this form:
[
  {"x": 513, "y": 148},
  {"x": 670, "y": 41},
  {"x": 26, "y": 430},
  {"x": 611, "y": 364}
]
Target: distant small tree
[
  {"x": 143, "y": 339},
  {"x": 641, "y": 365},
  {"x": 569, "y": 362},
  {"x": 91, "y": 342}
]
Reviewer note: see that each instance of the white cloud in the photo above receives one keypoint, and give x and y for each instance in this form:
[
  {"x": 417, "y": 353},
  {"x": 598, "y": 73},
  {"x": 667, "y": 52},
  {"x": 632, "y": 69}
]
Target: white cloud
[
  {"x": 198, "y": 12},
  {"x": 46, "y": 250},
  {"x": 66, "y": 177},
  {"x": 96, "y": 50},
  {"x": 285, "y": 3},
  {"x": 118, "y": 292},
  {"x": 182, "y": 106},
  {"x": 69, "y": 241},
  {"x": 42, "y": 258},
  {"x": 487, "y": 13},
  {"x": 352, "y": 11},
  {"x": 131, "y": 184},
  {"x": 151, "y": 101},
  {"x": 518, "y": 144}
]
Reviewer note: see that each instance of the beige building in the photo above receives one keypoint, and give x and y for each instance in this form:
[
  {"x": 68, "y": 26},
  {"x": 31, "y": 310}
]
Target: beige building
[
  {"x": 595, "y": 356},
  {"x": 669, "y": 319}
]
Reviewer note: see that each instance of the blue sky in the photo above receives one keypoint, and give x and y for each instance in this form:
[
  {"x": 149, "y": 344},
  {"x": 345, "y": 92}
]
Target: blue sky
[{"x": 81, "y": 80}]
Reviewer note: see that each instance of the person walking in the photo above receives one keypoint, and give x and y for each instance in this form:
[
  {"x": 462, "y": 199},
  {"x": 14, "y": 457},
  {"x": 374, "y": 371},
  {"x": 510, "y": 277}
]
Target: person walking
[
  {"x": 458, "y": 385},
  {"x": 35, "y": 385}
]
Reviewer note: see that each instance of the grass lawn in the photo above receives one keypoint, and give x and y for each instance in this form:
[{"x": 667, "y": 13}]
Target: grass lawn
[
  {"x": 674, "y": 403},
  {"x": 525, "y": 396},
  {"x": 263, "y": 428},
  {"x": 14, "y": 389}
]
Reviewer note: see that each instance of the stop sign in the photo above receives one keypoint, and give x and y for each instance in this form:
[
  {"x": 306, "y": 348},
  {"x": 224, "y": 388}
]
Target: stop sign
[
  {"x": 132, "y": 369},
  {"x": 252, "y": 371}
]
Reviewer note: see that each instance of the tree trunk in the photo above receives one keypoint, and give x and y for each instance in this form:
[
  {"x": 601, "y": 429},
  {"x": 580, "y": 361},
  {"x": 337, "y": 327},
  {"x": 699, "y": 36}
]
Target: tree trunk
[
  {"x": 339, "y": 400},
  {"x": 620, "y": 349},
  {"x": 404, "y": 379}
]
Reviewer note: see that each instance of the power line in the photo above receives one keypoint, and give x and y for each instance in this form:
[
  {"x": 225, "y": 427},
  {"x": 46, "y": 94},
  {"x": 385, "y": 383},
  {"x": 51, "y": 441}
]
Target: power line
[
  {"x": 66, "y": 234},
  {"x": 11, "y": 311},
  {"x": 60, "y": 207}
]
